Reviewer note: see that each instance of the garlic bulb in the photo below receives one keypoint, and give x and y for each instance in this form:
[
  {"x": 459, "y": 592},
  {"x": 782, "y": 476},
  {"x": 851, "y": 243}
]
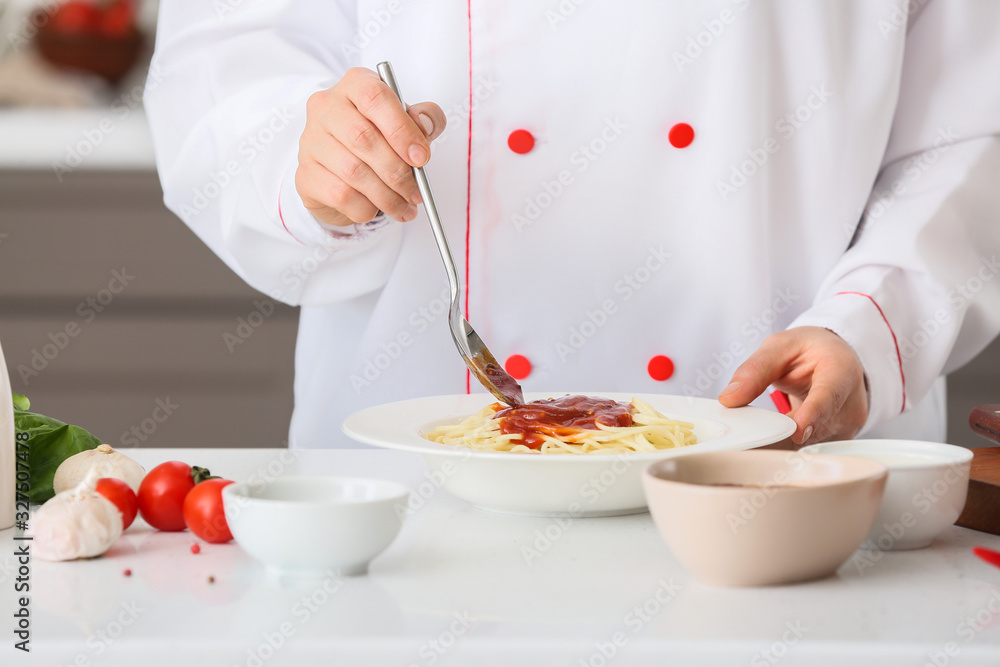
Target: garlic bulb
[
  {"x": 107, "y": 461},
  {"x": 79, "y": 523}
]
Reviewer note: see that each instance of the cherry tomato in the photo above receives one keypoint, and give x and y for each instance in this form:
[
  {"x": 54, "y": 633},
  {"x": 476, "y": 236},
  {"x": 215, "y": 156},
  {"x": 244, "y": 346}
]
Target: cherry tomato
[
  {"x": 162, "y": 492},
  {"x": 203, "y": 511},
  {"x": 76, "y": 16},
  {"x": 118, "y": 18},
  {"x": 122, "y": 495}
]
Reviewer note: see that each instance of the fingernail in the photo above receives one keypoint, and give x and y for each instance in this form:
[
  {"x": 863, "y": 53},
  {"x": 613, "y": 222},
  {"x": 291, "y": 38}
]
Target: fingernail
[
  {"x": 806, "y": 434},
  {"x": 416, "y": 198},
  {"x": 418, "y": 156},
  {"x": 410, "y": 214},
  {"x": 426, "y": 123},
  {"x": 732, "y": 387}
]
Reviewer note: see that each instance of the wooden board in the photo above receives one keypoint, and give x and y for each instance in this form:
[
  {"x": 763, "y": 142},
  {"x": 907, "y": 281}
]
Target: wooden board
[{"x": 982, "y": 509}]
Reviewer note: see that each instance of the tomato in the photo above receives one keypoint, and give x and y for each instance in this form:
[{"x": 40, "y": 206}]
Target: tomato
[
  {"x": 162, "y": 493},
  {"x": 76, "y": 16},
  {"x": 118, "y": 18},
  {"x": 203, "y": 511},
  {"x": 122, "y": 495}
]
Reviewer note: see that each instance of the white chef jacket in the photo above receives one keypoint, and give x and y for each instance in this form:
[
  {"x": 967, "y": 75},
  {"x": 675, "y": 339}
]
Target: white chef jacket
[{"x": 636, "y": 192}]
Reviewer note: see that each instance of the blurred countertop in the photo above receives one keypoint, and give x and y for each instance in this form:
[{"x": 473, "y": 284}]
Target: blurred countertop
[
  {"x": 64, "y": 140},
  {"x": 61, "y": 120}
]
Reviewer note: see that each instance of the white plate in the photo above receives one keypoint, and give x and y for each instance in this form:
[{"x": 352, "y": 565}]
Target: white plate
[{"x": 545, "y": 485}]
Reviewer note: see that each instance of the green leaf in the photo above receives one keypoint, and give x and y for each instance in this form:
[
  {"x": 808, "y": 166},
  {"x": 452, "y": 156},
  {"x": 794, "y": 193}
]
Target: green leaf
[
  {"x": 50, "y": 442},
  {"x": 21, "y": 402}
]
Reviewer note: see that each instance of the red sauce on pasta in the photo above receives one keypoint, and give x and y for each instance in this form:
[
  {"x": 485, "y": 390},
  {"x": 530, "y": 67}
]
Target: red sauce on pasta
[{"x": 558, "y": 417}]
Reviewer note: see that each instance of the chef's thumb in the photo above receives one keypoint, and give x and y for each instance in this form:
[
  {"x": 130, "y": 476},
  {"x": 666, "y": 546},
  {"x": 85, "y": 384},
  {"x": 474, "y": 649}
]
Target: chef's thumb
[
  {"x": 764, "y": 367},
  {"x": 429, "y": 117}
]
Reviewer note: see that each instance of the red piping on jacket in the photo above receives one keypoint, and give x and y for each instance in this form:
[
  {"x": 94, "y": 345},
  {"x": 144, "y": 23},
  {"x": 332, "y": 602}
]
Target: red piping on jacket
[
  {"x": 899, "y": 357},
  {"x": 281, "y": 217},
  {"x": 468, "y": 195}
]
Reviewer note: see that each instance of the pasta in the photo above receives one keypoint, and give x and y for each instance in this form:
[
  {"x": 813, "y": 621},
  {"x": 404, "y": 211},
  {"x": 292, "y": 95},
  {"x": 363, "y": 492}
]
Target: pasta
[{"x": 570, "y": 425}]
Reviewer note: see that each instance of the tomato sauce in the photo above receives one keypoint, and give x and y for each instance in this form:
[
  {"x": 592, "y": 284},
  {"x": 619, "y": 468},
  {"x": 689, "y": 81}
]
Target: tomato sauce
[{"x": 559, "y": 417}]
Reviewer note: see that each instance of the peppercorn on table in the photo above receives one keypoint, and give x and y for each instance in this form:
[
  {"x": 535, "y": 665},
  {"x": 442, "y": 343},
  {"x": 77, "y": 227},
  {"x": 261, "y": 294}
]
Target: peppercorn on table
[{"x": 460, "y": 586}]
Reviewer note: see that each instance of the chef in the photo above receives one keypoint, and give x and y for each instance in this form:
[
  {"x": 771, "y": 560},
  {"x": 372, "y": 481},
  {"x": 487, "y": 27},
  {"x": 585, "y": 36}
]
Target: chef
[{"x": 722, "y": 198}]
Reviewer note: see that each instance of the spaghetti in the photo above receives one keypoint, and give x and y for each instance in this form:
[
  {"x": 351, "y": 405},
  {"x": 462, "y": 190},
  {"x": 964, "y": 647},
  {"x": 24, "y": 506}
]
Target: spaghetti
[{"x": 568, "y": 425}]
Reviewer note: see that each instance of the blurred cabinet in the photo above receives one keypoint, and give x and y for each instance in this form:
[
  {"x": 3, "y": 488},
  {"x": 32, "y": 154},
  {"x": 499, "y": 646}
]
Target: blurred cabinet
[
  {"x": 976, "y": 383},
  {"x": 116, "y": 317}
]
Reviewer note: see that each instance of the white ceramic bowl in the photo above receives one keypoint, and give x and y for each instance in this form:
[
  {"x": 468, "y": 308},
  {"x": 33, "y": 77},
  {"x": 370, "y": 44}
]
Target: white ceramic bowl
[
  {"x": 315, "y": 525},
  {"x": 553, "y": 485},
  {"x": 928, "y": 482}
]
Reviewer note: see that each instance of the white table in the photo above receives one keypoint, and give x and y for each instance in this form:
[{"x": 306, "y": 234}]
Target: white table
[{"x": 457, "y": 589}]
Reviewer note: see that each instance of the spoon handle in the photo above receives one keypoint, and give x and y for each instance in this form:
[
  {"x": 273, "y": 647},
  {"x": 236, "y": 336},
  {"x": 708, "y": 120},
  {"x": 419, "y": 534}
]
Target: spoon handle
[{"x": 386, "y": 74}]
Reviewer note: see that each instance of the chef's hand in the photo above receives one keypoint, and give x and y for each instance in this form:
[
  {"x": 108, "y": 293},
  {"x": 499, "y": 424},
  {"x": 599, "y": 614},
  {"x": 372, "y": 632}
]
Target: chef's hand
[
  {"x": 821, "y": 374},
  {"x": 357, "y": 149}
]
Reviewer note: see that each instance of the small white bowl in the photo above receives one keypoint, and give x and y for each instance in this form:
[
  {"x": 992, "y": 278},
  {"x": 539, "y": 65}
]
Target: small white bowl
[
  {"x": 311, "y": 526},
  {"x": 928, "y": 483}
]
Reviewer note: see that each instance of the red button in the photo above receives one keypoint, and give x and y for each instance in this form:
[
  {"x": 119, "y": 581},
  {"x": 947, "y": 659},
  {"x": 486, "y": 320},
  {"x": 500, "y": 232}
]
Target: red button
[
  {"x": 681, "y": 135},
  {"x": 518, "y": 366},
  {"x": 781, "y": 401},
  {"x": 660, "y": 368},
  {"x": 521, "y": 141}
]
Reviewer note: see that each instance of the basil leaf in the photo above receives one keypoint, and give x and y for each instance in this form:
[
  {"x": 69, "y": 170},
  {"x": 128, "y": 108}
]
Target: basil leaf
[
  {"x": 21, "y": 402},
  {"x": 50, "y": 442}
]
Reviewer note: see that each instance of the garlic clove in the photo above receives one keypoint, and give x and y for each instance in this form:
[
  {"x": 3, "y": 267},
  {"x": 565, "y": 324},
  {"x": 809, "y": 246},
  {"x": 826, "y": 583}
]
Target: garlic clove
[
  {"x": 78, "y": 523},
  {"x": 108, "y": 463}
]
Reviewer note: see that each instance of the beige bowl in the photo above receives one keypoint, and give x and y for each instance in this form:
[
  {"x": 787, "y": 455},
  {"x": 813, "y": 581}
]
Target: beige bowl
[{"x": 763, "y": 517}]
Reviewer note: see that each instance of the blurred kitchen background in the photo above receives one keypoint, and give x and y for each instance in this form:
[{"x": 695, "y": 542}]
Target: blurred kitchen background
[
  {"x": 86, "y": 243},
  {"x": 113, "y": 315}
]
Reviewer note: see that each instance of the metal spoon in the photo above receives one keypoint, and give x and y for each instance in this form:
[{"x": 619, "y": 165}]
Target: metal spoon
[{"x": 475, "y": 353}]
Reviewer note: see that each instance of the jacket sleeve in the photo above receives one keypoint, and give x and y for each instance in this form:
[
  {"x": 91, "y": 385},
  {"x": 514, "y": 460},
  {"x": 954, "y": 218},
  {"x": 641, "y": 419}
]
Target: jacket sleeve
[
  {"x": 225, "y": 98},
  {"x": 918, "y": 293}
]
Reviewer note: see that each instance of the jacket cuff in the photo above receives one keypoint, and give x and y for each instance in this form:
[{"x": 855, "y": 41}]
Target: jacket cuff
[
  {"x": 307, "y": 230},
  {"x": 859, "y": 320}
]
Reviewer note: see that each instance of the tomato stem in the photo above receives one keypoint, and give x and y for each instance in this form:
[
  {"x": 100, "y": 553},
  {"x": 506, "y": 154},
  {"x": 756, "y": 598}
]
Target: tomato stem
[{"x": 199, "y": 475}]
